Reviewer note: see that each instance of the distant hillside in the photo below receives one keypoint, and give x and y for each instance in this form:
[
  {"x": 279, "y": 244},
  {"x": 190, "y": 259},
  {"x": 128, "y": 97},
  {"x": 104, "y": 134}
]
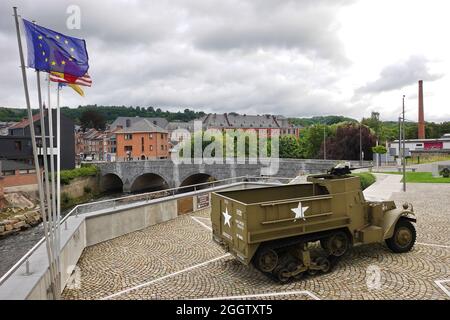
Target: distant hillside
[
  {"x": 110, "y": 113},
  {"x": 329, "y": 120}
]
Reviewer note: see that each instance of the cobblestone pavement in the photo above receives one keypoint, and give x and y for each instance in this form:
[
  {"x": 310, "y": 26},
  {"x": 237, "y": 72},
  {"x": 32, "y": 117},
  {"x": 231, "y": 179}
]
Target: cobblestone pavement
[{"x": 178, "y": 259}]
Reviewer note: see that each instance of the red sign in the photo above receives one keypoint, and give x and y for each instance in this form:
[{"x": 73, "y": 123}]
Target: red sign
[{"x": 433, "y": 145}]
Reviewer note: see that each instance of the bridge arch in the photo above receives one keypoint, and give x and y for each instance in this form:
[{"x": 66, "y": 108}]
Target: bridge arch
[
  {"x": 196, "y": 178},
  {"x": 111, "y": 182},
  {"x": 149, "y": 182}
]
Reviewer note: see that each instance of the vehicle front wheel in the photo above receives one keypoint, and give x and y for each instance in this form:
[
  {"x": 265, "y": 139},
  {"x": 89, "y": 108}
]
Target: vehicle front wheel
[{"x": 403, "y": 238}]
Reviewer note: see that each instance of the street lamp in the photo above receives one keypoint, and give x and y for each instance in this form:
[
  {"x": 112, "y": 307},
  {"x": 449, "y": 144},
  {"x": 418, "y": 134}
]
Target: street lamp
[
  {"x": 360, "y": 145},
  {"x": 403, "y": 151}
]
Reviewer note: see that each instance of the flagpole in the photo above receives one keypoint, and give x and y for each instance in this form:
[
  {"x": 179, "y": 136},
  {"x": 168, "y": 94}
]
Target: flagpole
[
  {"x": 53, "y": 184},
  {"x": 58, "y": 167},
  {"x": 34, "y": 147},
  {"x": 47, "y": 178}
]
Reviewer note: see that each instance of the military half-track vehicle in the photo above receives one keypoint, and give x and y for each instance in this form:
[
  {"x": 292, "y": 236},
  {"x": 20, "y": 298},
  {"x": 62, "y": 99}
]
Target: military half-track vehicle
[{"x": 274, "y": 227}]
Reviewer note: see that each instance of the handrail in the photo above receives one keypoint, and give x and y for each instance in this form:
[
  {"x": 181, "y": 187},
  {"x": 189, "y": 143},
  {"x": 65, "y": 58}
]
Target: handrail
[{"x": 75, "y": 210}]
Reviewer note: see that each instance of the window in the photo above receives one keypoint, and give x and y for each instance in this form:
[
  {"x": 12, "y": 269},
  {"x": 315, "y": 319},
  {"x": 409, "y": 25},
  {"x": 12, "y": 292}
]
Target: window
[
  {"x": 162, "y": 147},
  {"x": 142, "y": 144},
  {"x": 128, "y": 148},
  {"x": 128, "y": 136},
  {"x": 151, "y": 135},
  {"x": 18, "y": 145},
  {"x": 151, "y": 148},
  {"x": 162, "y": 136}
]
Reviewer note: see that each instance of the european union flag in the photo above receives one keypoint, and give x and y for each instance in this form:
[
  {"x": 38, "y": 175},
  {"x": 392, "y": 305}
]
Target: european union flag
[{"x": 49, "y": 50}]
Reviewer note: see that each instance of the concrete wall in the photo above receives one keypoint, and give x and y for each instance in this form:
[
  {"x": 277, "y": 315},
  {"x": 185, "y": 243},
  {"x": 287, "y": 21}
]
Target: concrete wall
[{"x": 87, "y": 229}]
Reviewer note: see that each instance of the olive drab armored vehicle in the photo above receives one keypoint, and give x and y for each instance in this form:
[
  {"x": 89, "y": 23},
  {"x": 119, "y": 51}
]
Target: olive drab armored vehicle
[{"x": 274, "y": 227}]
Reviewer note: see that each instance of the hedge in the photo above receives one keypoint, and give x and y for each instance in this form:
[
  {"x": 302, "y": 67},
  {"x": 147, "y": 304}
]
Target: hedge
[
  {"x": 366, "y": 179},
  {"x": 86, "y": 171}
]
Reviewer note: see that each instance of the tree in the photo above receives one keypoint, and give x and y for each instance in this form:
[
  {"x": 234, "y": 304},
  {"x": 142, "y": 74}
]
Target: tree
[
  {"x": 380, "y": 149},
  {"x": 344, "y": 145},
  {"x": 289, "y": 147},
  {"x": 311, "y": 141},
  {"x": 92, "y": 119},
  {"x": 374, "y": 123}
]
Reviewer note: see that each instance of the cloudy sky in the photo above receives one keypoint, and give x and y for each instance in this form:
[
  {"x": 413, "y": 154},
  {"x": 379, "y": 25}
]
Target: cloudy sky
[{"x": 297, "y": 58}]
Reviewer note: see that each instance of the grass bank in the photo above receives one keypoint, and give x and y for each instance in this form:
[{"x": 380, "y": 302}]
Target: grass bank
[
  {"x": 422, "y": 177},
  {"x": 366, "y": 178}
]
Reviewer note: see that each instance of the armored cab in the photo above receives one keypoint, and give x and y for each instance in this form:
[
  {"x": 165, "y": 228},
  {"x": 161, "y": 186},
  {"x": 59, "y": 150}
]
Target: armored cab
[{"x": 273, "y": 227}]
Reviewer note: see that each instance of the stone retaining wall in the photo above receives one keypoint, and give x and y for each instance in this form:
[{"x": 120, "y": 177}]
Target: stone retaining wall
[
  {"x": 77, "y": 186},
  {"x": 19, "y": 222}
]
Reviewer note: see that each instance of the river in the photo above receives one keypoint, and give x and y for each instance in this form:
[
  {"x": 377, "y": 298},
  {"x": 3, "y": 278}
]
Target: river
[{"x": 13, "y": 247}]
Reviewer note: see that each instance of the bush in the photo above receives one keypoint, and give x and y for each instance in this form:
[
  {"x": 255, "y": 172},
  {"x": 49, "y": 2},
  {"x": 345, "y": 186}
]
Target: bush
[
  {"x": 445, "y": 173},
  {"x": 366, "y": 179},
  {"x": 86, "y": 171}
]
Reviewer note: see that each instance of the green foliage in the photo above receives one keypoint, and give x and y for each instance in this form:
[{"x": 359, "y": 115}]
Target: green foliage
[
  {"x": 236, "y": 138},
  {"x": 109, "y": 113},
  {"x": 91, "y": 118},
  {"x": 328, "y": 120},
  {"x": 290, "y": 147},
  {"x": 86, "y": 171},
  {"x": 366, "y": 179},
  {"x": 445, "y": 173},
  {"x": 344, "y": 144},
  {"x": 311, "y": 140},
  {"x": 380, "y": 149},
  {"x": 422, "y": 177}
]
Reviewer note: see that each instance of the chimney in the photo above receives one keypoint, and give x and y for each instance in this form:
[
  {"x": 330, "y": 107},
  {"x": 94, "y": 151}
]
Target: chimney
[{"x": 421, "y": 126}]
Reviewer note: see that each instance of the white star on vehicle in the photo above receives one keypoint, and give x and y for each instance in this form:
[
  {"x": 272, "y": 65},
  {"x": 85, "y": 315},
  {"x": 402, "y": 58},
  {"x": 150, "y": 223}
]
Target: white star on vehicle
[
  {"x": 227, "y": 218},
  {"x": 300, "y": 211}
]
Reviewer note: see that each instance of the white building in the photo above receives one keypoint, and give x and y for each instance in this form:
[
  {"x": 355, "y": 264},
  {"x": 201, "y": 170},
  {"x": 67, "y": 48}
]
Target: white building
[{"x": 421, "y": 145}]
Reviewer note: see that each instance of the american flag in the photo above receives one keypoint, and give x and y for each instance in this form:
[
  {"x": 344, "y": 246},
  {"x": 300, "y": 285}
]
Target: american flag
[{"x": 70, "y": 79}]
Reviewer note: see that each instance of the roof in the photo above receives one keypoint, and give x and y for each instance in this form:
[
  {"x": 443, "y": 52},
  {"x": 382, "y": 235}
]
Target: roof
[
  {"x": 180, "y": 125},
  {"x": 232, "y": 120},
  {"x": 143, "y": 125},
  {"x": 122, "y": 121},
  {"x": 25, "y": 123},
  {"x": 424, "y": 140},
  {"x": 9, "y": 165}
]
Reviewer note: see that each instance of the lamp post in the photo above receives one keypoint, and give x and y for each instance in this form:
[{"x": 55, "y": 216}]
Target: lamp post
[
  {"x": 403, "y": 151},
  {"x": 360, "y": 145}
]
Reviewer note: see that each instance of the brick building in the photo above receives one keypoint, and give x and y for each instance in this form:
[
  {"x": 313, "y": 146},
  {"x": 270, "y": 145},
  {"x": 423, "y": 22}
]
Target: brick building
[
  {"x": 266, "y": 123},
  {"x": 17, "y": 174},
  {"x": 141, "y": 140}
]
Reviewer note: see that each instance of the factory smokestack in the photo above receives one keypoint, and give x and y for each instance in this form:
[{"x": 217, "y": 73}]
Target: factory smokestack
[{"x": 421, "y": 126}]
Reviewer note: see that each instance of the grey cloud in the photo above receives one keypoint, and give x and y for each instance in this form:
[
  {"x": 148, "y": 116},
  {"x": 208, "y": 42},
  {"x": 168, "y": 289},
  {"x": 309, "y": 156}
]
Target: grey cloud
[
  {"x": 262, "y": 56},
  {"x": 308, "y": 27},
  {"x": 399, "y": 75}
]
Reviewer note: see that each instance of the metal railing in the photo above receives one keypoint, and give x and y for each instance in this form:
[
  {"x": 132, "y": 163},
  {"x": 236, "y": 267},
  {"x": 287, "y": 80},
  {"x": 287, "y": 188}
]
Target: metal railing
[{"x": 142, "y": 197}]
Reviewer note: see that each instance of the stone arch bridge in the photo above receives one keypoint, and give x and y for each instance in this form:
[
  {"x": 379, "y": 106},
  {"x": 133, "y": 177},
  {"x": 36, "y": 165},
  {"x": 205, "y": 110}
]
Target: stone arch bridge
[{"x": 148, "y": 175}]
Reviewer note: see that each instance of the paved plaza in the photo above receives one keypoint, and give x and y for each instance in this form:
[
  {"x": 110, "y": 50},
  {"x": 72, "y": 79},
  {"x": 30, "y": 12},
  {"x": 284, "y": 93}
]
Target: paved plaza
[{"x": 178, "y": 260}]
